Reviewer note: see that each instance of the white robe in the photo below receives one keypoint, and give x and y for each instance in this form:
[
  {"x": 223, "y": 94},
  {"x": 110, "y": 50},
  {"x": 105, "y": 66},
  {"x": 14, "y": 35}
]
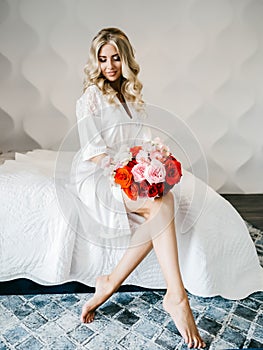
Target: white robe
[
  {"x": 216, "y": 253},
  {"x": 53, "y": 230}
]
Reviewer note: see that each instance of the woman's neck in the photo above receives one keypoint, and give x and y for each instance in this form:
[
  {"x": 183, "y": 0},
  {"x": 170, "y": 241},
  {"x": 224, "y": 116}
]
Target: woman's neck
[{"x": 116, "y": 85}]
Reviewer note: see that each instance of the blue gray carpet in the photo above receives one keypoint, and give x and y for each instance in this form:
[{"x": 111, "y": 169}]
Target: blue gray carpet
[{"x": 128, "y": 321}]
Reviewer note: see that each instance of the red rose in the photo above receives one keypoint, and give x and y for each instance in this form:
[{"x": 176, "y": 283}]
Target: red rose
[
  {"x": 131, "y": 163},
  {"x": 132, "y": 191},
  {"x": 143, "y": 188},
  {"x": 160, "y": 188},
  {"x": 153, "y": 190},
  {"x": 123, "y": 177},
  {"x": 135, "y": 150},
  {"x": 173, "y": 170}
]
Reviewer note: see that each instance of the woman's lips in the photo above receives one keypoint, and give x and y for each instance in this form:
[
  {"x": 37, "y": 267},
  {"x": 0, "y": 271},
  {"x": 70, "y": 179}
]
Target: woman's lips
[{"x": 111, "y": 73}]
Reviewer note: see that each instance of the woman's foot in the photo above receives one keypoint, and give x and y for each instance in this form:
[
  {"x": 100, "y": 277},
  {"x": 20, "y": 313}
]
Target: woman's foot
[
  {"x": 183, "y": 318},
  {"x": 104, "y": 289}
]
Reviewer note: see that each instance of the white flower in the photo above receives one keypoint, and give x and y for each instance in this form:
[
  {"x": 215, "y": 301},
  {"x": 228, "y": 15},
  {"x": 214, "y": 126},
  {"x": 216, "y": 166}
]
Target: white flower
[
  {"x": 157, "y": 141},
  {"x": 108, "y": 171},
  {"x": 123, "y": 156},
  {"x": 142, "y": 157},
  {"x": 105, "y": 162},
  {"x": 148, "y": 146}
]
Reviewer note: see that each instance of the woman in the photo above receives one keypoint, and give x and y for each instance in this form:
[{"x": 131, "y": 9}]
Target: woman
[{"x": 109, "y": 112}]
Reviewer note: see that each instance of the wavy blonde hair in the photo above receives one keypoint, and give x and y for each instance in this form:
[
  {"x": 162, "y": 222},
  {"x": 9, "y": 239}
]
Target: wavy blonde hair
[{"x": 131, "y": 87}]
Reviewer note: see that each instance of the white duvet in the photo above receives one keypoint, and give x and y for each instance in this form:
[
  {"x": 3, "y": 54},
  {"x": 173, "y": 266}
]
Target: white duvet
[
  {"x": 40, "y": 242},
  {"x": 37, "y": 241}
]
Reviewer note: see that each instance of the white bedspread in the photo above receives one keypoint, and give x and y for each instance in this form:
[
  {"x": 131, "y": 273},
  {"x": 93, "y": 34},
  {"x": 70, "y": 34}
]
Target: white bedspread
[
  {"x": 36, "y": 241},
  {"x": 39, "y": 241}
]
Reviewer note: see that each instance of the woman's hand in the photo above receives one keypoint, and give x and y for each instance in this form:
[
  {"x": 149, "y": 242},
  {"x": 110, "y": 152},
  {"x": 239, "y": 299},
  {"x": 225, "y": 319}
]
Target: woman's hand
[{"x": 98, "y": 159}]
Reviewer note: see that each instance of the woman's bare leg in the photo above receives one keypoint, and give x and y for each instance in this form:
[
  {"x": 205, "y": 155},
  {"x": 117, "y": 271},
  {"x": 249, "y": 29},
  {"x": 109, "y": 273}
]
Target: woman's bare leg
[
  {"x": 108, "y": 284},
  {"x": 163, "y": 240},
  {"x": 175, "y": 301}
]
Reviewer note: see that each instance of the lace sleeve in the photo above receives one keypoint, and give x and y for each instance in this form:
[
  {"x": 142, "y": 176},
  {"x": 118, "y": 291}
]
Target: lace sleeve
[{"x": 89, "y": 124}]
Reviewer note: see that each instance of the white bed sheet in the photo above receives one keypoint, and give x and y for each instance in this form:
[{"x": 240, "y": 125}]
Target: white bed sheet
[
  {"x": 41, "y": 242},
  {"x": 37, "y": 242}
]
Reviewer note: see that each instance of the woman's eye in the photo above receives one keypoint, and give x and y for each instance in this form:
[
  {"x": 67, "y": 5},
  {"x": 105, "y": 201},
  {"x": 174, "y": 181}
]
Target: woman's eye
[
  {"x": 102, "y": 59},
  {"x": 117, "y": 58}
]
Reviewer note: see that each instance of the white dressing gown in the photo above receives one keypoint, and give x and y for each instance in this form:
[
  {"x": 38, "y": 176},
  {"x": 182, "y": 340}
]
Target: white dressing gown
[{"x": 216, "y": 253}]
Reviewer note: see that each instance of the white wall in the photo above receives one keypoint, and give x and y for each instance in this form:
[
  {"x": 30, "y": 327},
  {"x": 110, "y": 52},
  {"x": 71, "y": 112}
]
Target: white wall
[{"x": 200, "y": 59}]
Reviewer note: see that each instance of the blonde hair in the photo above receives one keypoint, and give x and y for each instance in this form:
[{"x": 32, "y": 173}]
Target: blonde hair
[{"x": 131, "y": 87}]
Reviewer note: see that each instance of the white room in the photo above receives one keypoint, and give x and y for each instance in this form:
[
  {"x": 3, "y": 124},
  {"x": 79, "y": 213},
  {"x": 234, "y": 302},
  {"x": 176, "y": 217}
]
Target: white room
[{"x": 201, "y": 71}]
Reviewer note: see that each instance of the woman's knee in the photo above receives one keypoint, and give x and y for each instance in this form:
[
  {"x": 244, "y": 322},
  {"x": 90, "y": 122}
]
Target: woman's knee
[
  {"x": 147, "y": 207},
  {"x": 162, "y": 204},
  {"x": 140, "y": 206},
  {"x": 168, "y": 199}
]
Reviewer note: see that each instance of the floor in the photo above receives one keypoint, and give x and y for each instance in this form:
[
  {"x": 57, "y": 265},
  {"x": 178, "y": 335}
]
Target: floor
[
  {"x": 128, "y": 321},
  {"x": 250, "y": 207}
]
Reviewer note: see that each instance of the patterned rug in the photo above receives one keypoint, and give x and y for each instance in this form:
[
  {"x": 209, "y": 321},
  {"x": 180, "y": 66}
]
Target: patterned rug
[{"x": 128, "y": 321}]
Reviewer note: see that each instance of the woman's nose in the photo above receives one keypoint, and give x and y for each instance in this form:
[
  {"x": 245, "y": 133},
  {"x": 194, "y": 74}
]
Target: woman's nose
[{"x": 110, "y": 65}]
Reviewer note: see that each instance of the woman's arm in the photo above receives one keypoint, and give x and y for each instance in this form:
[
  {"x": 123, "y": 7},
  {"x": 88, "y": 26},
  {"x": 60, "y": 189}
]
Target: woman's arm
[{"x": 89, "y": 125}]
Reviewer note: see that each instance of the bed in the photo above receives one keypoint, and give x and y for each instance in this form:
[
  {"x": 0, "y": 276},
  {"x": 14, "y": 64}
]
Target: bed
[
  {"x": 42, "y": 243},
  {"x": 37, "y": 241}
]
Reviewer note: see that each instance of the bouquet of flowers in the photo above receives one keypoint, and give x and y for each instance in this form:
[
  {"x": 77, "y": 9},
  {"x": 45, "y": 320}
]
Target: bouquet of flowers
[{"x": 149, "y": 170}]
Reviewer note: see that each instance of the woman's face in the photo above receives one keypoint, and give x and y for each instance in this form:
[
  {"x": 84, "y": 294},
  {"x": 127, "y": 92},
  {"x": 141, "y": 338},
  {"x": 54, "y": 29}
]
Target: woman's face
[{"x": 110, "y": 62}]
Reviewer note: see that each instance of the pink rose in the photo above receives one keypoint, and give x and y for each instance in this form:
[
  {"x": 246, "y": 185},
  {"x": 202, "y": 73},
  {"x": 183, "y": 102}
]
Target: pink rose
[
  {"x": 138, "y": 172},
  {"x": 156, "y": 155},
  {"x": 155, "y": 172},
  {"x": 142, "y": 157}
]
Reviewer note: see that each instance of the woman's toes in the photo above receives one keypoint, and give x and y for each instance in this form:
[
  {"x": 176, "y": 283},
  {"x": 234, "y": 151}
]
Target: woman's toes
[{"x": 196, "y": 343}]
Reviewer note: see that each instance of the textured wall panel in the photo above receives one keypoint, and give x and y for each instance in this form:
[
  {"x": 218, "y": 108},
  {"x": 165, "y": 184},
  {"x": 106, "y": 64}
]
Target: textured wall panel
[{"x": 200, "y": 59}]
